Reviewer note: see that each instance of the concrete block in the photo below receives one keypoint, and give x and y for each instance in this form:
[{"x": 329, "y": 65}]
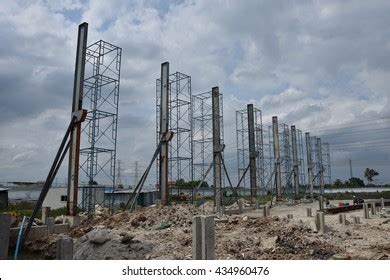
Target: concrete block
[
  {"x": 239, "y": 202},
  {"x": 308, "y": 212},
  {"x": 321, "y": 203},
  {"x": 74, "y": 221},
  {"x": 36, "y": 232},
  {"x": 289, "y": 216},
  {"x": 197, "y": 238},
  {"x": 208, "y": 238},
  {"x": 320, "y": 222},
  {"x": 45, "y": 214},
  {"x": 382, "y": 203},
  {"x": 65, "y": 249},
  {"x": 266, "y": 210},
  {"x": 373, "y": 209},
  {"x": 366, "y": 211},
  {"x": 5, "y": 224},
  {"x": 342, "y": 219},
  {"x": 356, "y": 220}
]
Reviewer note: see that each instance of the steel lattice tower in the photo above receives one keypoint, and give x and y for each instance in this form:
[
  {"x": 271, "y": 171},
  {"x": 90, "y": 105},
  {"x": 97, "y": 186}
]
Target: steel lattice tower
[
  {"x": 180, "y": 123},
  {"x": 202, "y": 134},
  {"x": 242, "y": 141},
  {"x": 101, "y": 91}
]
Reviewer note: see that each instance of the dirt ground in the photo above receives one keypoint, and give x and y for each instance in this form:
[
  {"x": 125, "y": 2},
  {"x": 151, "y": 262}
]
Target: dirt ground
[{"x": 165, "y": 233}]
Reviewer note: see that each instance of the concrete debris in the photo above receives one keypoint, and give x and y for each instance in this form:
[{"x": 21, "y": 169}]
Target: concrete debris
[
  {"x": 98, "y": 236},
  {"x": 165, "y": 233},
  {"x": 59, "y": 220}
]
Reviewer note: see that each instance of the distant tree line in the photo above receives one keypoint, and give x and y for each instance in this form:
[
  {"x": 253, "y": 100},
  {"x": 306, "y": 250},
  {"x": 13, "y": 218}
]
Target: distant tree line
[
  {"x": 190, "y": 184},
  {"x": 356, "y": 182}
]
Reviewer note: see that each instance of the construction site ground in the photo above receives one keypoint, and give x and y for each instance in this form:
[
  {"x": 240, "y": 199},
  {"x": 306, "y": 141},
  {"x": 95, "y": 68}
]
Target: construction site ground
[{"x": 166, "y": 233}]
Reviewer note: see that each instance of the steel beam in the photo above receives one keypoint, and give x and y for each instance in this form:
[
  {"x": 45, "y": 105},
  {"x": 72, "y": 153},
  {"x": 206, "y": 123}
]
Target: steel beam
[
  {"x": 309, "y": 162},
  {"x": 295, "y": 160},
  {"x": 252, "y": 152},
  {"x": 164, "y": 124},
  {"x": 74, "y": 149},
  {"x": 278, "y": 173},
  {"x": 217, "y": 148}
]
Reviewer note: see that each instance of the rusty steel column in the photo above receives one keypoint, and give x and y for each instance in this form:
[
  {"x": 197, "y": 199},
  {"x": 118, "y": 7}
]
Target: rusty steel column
[
  {"x": 77, "y": 106},
  {"x": 295, "y": 160},
  {"x": 278, "y": 174},
  {"x": 309, "y": 163},
  {"x": 217, "y": 148},
  {"x": 164, "y": 122},
  {"x": 252, "y": 152}
]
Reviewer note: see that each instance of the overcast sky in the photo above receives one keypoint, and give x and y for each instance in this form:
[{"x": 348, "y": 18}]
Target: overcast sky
[{"x": 321, "y": 65}]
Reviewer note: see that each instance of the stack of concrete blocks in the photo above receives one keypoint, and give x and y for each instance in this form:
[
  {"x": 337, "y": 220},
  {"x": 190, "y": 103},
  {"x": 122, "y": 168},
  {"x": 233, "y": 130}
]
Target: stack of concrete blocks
[{"x": 203, "y": 238}]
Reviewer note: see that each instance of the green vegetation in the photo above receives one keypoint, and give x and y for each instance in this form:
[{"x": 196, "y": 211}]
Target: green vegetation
[
  {"x": 364, "y": 195},
  {"x": 26, "y": 209},
  {"x": 190, "y": 184},
  {"x": 353, "y": 182},
  {"x": 370, "y": 173}
]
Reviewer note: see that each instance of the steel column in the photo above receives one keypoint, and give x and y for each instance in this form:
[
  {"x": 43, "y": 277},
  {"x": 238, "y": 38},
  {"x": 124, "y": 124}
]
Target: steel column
[
  {"x": 309, "y": 162},
  {"x": 217, "y": 149},
  {"x": 295, "y": 160},
  {"x": 278, "y": 174},
  {"x": 164, "y": 122},
  {"x": 252, "y": 152},
  {"x": 74, "y": 149}
]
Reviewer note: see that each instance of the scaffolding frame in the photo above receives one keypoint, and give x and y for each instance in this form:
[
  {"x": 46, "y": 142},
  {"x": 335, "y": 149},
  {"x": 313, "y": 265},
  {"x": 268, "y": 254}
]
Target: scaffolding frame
[
  {"x": 101, "y": 89},
  {"x": 242, "y": 142},
  {"x": 202, "y": 135},
  {"x": 326, "y": 163},
  {"x": 180, "y": 123}
]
